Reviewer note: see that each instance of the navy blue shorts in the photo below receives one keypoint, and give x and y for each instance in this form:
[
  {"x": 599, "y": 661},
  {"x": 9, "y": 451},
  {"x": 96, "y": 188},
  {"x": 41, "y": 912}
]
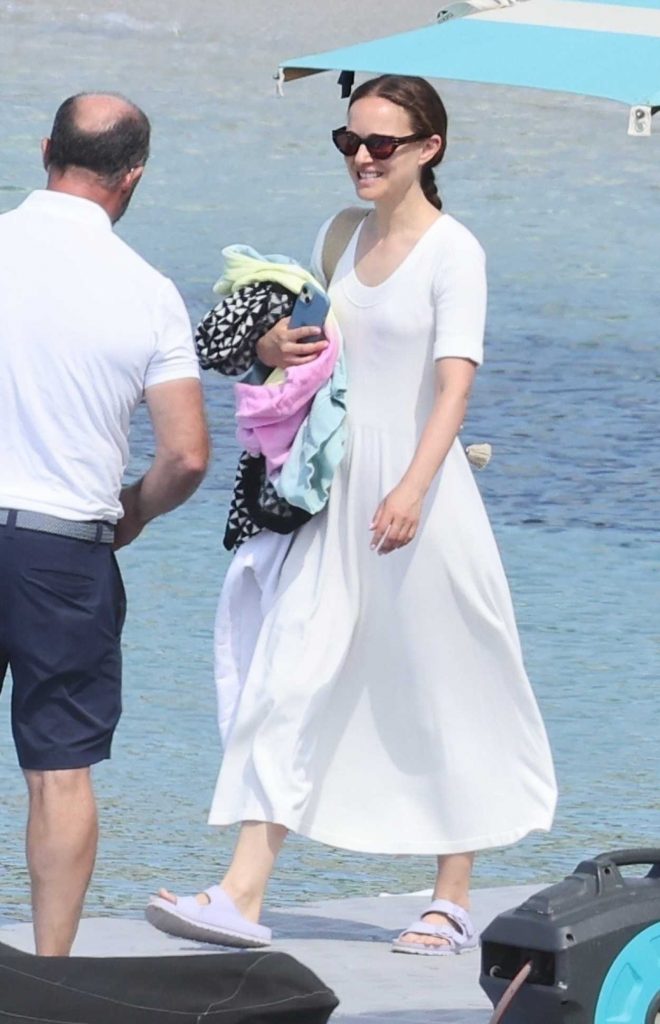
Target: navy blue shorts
[{"x": 62, "y": 607}]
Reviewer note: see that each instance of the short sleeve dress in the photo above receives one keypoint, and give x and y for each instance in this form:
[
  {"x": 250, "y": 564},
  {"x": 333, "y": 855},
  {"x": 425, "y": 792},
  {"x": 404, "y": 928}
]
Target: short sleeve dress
[{"x": 380, "y": 703}]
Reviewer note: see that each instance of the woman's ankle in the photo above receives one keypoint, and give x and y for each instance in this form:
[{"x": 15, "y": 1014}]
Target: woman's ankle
[
  {"x": 459, "y": 899},
  {"x": 453, "y": 879},
  {"x": 247, "y": 898},
  {"x": 256, "y": 851}
]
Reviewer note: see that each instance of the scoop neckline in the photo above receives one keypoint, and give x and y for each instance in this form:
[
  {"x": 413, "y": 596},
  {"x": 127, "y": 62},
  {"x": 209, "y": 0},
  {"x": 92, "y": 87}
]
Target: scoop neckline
[{"x": 373, "y": 288}]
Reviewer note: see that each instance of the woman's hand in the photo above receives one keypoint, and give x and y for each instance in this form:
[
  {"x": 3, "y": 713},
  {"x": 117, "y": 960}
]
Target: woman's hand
[
  {"x": 397, "y": 517},
  {"x": 396, "y": 520},
  {"x": 282, "y": 348}
]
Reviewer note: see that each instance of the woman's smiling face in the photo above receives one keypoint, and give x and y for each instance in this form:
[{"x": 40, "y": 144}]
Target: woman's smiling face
[{"x": 392, "y": 178}]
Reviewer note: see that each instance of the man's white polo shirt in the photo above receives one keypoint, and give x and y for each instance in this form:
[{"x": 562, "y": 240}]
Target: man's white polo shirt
[{"x": 86, "y": 325}]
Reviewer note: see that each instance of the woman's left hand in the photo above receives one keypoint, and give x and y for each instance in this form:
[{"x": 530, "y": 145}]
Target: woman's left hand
[{"x": 397, "y": 518}]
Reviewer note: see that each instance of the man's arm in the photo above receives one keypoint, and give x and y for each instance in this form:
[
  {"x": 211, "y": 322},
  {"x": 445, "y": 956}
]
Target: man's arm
[{"x": 176, "y": 409}]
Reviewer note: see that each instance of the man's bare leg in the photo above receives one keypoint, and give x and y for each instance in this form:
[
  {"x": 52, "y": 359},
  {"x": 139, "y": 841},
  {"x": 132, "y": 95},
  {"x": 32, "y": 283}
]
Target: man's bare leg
[{"x": 62, "y": 834}]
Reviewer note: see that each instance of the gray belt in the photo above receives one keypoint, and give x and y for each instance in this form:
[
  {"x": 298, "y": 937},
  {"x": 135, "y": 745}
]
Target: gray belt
[{"x": 100, "y": 532}]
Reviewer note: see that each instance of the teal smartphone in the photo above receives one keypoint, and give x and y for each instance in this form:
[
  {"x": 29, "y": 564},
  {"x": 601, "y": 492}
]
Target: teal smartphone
[{"x": 310, "y": 310}]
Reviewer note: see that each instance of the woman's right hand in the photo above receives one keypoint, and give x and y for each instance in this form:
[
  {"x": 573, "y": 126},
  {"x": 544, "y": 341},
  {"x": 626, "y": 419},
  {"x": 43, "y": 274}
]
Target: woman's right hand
[{"x": 282, "y": 348}]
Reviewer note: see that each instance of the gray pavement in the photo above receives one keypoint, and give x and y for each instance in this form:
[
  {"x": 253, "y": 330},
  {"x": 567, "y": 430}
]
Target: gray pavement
[{"x": 345, "y": 942}]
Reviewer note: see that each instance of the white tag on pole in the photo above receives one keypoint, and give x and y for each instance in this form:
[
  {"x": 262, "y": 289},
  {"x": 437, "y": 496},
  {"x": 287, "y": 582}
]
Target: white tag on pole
[{"x": 639, "y": 121}]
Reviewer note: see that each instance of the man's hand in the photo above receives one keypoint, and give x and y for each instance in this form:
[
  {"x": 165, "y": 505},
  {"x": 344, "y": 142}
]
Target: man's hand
[
  {"x": 182, "y": 451},
  {"x": 130, "y": 525}
]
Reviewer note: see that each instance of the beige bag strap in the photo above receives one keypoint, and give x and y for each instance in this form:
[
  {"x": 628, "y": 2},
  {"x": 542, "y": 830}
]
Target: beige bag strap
[{"x": 338, "y": 236}]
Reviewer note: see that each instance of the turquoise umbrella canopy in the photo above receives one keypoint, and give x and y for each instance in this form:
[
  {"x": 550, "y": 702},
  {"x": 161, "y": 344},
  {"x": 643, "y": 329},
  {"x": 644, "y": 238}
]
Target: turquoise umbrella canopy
[{"x": 604, "y": 49}]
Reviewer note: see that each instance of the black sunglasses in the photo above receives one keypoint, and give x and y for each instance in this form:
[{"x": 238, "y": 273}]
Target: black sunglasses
[{"x": 379, "y": 147}]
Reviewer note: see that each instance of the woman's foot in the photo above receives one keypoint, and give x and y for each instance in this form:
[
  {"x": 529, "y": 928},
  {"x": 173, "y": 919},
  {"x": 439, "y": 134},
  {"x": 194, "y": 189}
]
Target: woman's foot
[
  {"x": 445, "y": 928},
  {"x": 211, "y": 916},
  {"x": 247, "y": 904},
  {"x": 430, "y": 940},
  {"x": 171, "y": 897},
  {"x": 227, "y": 913}
]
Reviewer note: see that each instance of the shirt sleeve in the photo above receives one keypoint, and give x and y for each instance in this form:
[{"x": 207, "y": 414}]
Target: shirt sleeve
[
  {"x": 459, "y": 293},
  {"x": 174, "y": 353}
]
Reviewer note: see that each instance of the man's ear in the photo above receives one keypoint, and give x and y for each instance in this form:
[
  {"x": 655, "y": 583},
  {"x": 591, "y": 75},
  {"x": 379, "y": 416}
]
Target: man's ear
[
  {"x": 45, "y": 152},
  {"x": 131, "y": 178}
]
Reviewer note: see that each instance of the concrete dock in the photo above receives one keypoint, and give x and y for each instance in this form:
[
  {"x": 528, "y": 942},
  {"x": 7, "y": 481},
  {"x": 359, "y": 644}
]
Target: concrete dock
[{"x": 346, "y": 943}]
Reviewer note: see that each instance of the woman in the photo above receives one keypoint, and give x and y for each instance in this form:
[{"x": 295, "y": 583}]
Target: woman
[{"x": 384, "y": 706}]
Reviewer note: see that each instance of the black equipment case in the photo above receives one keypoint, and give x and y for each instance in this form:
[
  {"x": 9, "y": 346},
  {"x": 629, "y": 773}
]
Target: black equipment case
[
  {"x": 594, "y": 944},
  {"x": 217, "y": 988}
]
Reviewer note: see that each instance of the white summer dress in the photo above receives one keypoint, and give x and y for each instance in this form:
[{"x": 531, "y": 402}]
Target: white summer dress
[{"x": 379, "y": 703}]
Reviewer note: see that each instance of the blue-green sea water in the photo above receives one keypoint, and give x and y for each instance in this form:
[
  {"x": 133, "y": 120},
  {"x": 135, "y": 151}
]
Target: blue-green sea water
[{"x": 568, "y": 209}]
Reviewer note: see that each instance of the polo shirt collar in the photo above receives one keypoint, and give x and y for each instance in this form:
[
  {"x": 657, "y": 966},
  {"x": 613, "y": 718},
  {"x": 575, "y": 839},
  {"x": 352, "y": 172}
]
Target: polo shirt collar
[{"x": 66, "y": 205}]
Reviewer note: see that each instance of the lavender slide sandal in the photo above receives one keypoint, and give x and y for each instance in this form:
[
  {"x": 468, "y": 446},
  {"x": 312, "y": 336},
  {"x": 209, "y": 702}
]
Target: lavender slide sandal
[
  {"x": 460, "y": 936},
  {"x": 218, "y": 921}
]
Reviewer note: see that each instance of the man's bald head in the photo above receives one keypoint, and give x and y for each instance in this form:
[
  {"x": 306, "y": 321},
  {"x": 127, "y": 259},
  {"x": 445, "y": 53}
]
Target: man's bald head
[{"x": 102, "y": 133}]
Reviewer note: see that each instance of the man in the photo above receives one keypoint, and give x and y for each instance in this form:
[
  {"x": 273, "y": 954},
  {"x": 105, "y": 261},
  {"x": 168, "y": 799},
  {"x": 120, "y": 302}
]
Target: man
[{"x": 87, "y": 328}]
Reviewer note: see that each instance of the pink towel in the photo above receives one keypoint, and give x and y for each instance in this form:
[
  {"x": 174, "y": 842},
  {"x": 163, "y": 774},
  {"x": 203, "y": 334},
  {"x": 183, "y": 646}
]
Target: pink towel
[{"x": 269, "y": 416}]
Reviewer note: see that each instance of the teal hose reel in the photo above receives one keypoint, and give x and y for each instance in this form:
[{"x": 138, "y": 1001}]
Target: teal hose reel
[
  {"x": 593, "y": 943},
  {"x": 631, "y": 989}
]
